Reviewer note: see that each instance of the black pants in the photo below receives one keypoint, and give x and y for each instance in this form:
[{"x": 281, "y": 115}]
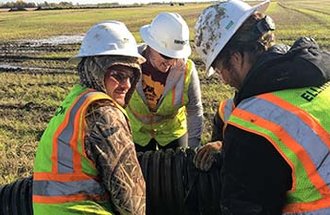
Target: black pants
[{"x": 154, "y": 145}]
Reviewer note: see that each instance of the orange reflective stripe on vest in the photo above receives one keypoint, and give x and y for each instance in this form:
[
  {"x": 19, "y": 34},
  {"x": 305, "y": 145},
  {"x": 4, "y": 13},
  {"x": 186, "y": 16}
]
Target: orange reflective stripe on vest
[
  {"x": 66, "y": 133},
  {"x": 152, "y": 118},
  {"x": 225, "y": 109},
  {"x": 67, "y": 182},
  {"x": 60, "y": 192},
  {"x": 178, "y": 97},
  {"x": 324, "y": 135},
  {"x": 301, "y": 141},
  {"x": 169, "y": 121}
]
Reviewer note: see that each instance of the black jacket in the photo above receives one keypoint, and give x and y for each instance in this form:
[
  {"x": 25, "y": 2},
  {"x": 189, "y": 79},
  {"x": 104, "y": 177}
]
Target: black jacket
[{"x": 255, "y": 178}]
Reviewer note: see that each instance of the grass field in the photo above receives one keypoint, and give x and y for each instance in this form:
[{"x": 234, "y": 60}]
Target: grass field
[{"x": 38, "y": 77}]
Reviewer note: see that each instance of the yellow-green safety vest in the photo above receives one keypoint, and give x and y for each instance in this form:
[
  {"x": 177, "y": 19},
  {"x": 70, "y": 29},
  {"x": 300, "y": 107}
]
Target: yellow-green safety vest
[
  {"x": 224, "y": 110},
  {"x": 65, "y": 180},
  {"x": 169, "y": 122},
  {"x": 297, "y": 123}
]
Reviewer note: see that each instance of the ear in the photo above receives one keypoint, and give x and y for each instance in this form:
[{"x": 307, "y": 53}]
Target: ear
[{"x": 236, "y": 58}]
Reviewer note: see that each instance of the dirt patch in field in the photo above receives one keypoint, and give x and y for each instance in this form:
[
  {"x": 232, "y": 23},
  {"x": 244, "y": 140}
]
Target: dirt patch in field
[
  {"x": 50, "y": 57},
  {"x": 57, "y": 40},
  {"x": 39, "y": 56}
]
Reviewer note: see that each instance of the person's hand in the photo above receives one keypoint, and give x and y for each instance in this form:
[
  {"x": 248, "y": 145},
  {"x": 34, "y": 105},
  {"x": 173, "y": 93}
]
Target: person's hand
[{"x": 204, "y": 157}]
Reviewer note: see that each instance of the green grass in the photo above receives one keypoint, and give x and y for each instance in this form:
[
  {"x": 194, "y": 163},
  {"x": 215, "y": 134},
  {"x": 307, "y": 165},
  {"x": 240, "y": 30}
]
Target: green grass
[
  {"x": 295, "y": 18},
  {"x": 28, "y": 98},
  {"x": 36, "y": 24}
]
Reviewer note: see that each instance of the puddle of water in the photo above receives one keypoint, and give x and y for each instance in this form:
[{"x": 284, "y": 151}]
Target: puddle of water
[
  {"x": 7, "y": 66},
  {"x": 52, "y": 41},
  {"x": 38, "y": 69},
  {"x": 56, "y": 40}
]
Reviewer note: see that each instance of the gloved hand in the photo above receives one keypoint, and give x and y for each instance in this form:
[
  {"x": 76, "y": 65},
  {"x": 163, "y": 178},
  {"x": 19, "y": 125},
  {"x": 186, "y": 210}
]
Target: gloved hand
[{"x": 204, "y": 157}]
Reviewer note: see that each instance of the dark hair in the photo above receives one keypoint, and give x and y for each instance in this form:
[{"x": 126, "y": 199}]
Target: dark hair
[{"x": 255, "y": 36}]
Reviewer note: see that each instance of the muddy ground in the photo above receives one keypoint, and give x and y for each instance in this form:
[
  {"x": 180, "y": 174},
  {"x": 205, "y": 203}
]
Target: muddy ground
[
  {"x": 35, "y": 76},
  {"x": 50, "y": 56},
  {"x": 39, "y": 56}
]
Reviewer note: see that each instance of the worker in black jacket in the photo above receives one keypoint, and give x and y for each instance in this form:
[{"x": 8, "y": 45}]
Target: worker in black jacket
[{"x": 277, "y": 138}]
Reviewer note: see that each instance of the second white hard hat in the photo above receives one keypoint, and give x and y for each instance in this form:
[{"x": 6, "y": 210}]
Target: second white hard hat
[
  {"x": 108, "y": 38},
  {"x": 168, "y": 34},
  {"x": 217, "y": 24}
]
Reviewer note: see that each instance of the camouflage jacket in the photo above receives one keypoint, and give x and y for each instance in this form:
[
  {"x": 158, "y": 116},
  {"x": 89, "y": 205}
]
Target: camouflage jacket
[{"x": 108, "y": 142}]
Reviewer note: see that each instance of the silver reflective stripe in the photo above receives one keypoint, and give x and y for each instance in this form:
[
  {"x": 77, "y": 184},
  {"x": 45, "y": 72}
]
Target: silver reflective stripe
[
  {"x": 159, "y": 118},
  {"x": 154, "y": 118},
  {"x": 228, "y": 109},
  {"x": 151, "y": 117},
  {"x": 317, "y": 150},
  {"x": 179, "y": 91},
  {"x": 56, "y": 188},
  {"x": 325, "y": 211},
  {"x": 65, "y": 152}
]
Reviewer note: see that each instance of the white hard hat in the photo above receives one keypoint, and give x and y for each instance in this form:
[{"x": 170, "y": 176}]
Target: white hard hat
[
  {"x": 108, "y": 38},
  {"x": 217, "y": 24},
  {"x": 168, "y": 34}
]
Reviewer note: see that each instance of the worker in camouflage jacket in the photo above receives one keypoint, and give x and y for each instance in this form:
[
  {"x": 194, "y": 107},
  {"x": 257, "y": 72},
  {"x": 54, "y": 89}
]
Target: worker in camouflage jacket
[{"x": 86, "y": 161}]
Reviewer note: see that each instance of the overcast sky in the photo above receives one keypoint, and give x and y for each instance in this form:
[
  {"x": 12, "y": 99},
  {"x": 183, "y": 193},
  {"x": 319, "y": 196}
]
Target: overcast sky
[{"x": 102, "y": 1}]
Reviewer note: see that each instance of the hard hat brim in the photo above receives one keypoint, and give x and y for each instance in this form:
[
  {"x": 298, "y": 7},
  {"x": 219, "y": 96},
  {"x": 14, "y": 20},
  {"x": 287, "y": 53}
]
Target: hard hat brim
[
  {"x": 151, "y": 41},
  {"x": 259, "y": 7}
]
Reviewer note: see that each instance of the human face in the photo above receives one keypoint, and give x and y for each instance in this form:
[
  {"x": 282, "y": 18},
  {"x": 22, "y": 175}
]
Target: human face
[
  {"x": 222, "y": 70},
  {"x": 161, "y": 62},
  {"x": 232, "y": 70},
  {"x": 117, "y": 81}
]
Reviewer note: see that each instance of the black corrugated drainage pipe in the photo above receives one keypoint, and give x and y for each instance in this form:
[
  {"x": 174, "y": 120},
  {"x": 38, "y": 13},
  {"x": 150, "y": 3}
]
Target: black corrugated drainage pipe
[
  {"x": 174, "y": 186},
  {"x": 16, "y": 198}
]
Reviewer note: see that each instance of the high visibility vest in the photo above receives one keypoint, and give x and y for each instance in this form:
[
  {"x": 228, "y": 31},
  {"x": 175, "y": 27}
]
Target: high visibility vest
[
  {"x": 65, "y": 180},
  {"x": 224, "y": 110},
  {"x": 169, "y": 122},
  {"x": 297, "y": 123}
]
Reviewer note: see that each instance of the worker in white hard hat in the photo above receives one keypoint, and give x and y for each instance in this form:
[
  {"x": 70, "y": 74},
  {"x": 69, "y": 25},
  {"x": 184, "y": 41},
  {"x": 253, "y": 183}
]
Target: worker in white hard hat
[
  {"x": 277, "y": 138},
  {"x": 86, "y": 162},
  {"x": 166, "y": 109}
]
